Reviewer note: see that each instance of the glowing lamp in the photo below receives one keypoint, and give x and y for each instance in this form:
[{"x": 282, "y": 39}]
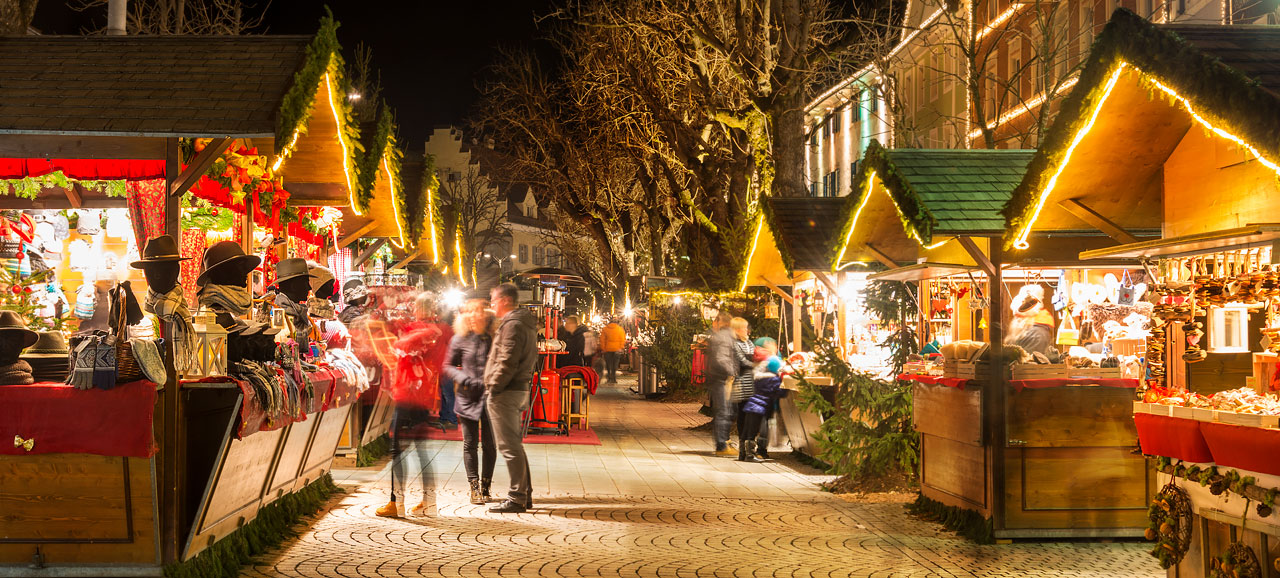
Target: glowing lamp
[{"x": 210, "y": 347}]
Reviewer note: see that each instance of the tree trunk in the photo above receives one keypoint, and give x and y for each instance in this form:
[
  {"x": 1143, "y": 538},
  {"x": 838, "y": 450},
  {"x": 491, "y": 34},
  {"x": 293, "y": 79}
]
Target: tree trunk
[
  {"x": 786, "y": 132},
  {"x": 15, "y": 16}
]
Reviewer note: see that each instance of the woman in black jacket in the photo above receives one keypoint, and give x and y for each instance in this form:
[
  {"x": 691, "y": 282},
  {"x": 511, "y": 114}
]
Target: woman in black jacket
[{"x": 468, "y": 352}]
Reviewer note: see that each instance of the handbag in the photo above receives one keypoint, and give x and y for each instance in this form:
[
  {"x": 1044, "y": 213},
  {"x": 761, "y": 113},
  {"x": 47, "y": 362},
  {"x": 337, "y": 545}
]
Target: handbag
[
  {"x": 1126, "y": 291},
  {"x": 1068, "y": 334}
]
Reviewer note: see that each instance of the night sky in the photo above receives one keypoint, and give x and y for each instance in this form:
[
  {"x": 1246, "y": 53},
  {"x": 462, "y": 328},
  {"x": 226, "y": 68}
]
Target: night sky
[{"x": 431, "y": 52}]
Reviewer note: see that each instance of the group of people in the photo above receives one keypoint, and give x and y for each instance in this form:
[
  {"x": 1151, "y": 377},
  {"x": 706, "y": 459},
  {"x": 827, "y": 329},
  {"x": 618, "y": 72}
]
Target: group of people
[
  {"x": 487, "y": 360},
  {"x": 744, "y": 381},
  {"x": 583, "y": 346}
]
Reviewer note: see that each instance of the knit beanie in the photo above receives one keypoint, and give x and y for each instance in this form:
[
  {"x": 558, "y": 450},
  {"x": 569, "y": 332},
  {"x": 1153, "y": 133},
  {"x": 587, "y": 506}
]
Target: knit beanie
[{"x": 773, "y": 364}]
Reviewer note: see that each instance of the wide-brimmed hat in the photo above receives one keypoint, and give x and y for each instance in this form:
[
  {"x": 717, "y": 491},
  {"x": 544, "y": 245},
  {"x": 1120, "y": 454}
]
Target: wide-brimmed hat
[
  {"x": 12, "y": 322},
  {"x": 227, "y": 255},
  {"x": 162, "y": 249},
  {"x": 48, "y": 344},
  {"x": 291, "y": 268},
  {"x": 320, "y": 276}
]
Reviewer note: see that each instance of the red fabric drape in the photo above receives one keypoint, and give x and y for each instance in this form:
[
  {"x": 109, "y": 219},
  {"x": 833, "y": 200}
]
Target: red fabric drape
[
  {"x": 1248, "y": 448},
  {"x": 64, "y": 420},
  {"x": 146, "y": 209},
  {"x": 192, "y": 246},
  {"x": 1172, "y": 437},
  {"x": 83, "y": 169},
  {"x": 956, "y": 382}
]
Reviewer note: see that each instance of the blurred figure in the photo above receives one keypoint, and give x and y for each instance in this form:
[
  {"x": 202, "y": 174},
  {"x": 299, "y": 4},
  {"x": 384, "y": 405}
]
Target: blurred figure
[
  {"x": 508, "y": 377},
  {"x": 464, "y": 364},
  {"x": 720, "y": 372},
  {"x": 767, "y": 385},
  {"x": 744, "y": 364},
  {"x": 574, "y": 335},
  {"x": 613, "y": 341}
]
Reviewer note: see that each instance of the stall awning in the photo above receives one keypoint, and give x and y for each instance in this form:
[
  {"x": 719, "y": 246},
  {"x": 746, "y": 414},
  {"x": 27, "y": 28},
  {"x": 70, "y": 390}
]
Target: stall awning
[
  {"x": 908, "y": 202},
  {"x": 764, "y": 261},
  {"x": 1260, "y": 235},
  {"x": 922, "y": 271}
]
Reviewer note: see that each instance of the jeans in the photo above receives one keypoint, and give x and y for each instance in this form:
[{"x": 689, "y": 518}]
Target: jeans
[
  {"x": 748, "y": 427},
  {"x": 508, "y": 430},
  {"x": 478, "y": 435},
  {"x": 446, "y": 400},
  {"x": 402, "y": 421},
  {"x": 723, "y": 410},
  {"x": 611, "y": 359}
]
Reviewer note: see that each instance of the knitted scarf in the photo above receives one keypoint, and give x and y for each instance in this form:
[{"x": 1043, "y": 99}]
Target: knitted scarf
[
  {"x": 228, "y": 298},
  {"x": 172, "y": 307},
  {"x": 297, "y": 313}
]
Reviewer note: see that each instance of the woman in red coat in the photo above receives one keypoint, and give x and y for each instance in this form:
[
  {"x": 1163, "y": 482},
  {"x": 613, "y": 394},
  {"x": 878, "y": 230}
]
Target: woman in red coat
[{"x": 420, "y": 350}]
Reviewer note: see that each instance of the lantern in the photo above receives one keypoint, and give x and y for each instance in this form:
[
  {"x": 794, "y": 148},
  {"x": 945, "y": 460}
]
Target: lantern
[
  {"x": 771, "y": 309},
  {"x": 709, "y": 310},
  {"x": 210, "y": 347},
  {"x": 819, "y": 302}
]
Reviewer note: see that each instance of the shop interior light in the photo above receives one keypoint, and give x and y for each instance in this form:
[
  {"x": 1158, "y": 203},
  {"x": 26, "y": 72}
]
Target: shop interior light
[
  {"x": 454, "y": 298},
  {"x": 678, "y": 300}
]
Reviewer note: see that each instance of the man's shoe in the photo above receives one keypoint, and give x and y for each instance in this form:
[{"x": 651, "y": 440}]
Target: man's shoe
[
  {"x": 508, "y": 507},
  {"x": 391, "y": 510},
  {"x": 762, "y": 453},
  {"x": 528, "y": 505}
]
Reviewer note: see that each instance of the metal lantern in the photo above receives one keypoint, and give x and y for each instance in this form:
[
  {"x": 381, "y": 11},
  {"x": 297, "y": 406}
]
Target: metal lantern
[
  {"x": 709, "y": 310},
  {"x": 210, "y": 347},
  {"x": 819, "y": 302},
  {"x": 771, "y": 309}
]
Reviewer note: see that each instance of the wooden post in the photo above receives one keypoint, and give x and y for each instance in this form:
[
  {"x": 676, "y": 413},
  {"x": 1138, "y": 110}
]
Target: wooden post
[
  {"x": 171, "y": 407},
  {"x": 842, "y": 318},
  {"x": 797, "y": 328},
  {"x": 995, "y": 390}
]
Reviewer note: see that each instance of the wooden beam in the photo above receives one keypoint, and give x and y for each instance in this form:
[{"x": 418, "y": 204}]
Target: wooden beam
[
  {"x": 776, "y": 289},
  {"x": 75, "y": 195},
  {"x": 978, "y": 256},
  {"x": 360, "y": 259},
  {"x": 826, "y": 280},
  {"x": 199, "y": 165},
  {"x": 407, "y": 259},
  {"x": 1098, "y": 221},
  {"x": 355, "y": 235},
  {"x": 310, "y": 194},
  {"x": 27, "y": 146},
  {"x": 880, "y": 256}
]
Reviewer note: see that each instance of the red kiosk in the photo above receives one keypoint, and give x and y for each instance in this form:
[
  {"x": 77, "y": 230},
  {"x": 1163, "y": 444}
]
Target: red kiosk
[{"x": 545, "y": 414}]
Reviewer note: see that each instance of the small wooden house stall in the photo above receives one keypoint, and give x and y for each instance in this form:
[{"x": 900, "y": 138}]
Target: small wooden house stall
[{"x": 1186, "y": 117}]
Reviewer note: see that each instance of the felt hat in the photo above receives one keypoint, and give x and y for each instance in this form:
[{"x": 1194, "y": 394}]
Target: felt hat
[
  {"x": 320, "y": 276},
  {"x": 12, "y": 322},
  {"x": 162, "y": 249},
  {"x": 227, "y": 255},
  {"x": 291, "y": 268},
  {"x": 48, "y": 344}
]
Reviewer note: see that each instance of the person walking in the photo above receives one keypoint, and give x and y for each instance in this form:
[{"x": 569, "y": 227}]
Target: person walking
[
  {"x": 464, "y": 364},
  {"x": 744, "y": 364},
  {"x": 721, "y": 370},
  {"x": 574, "y": 337},
  {"x": 613, "y": 341},
  {"x": 420, "y": 351},
  {"x": 508, "y": 377},
  {"x": 767, "y": 388}
]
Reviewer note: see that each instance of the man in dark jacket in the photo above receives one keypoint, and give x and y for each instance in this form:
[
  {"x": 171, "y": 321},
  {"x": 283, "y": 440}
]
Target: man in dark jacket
[
  {"x": 508, "y": 378},
  {"x": 573, "y": 334},
  {"x": 720, "y": 371}
]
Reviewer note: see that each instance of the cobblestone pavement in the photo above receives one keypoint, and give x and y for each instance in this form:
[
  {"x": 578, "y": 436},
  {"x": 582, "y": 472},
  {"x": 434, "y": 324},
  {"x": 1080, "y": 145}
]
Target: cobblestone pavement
[{"x": 653, "y": 501}]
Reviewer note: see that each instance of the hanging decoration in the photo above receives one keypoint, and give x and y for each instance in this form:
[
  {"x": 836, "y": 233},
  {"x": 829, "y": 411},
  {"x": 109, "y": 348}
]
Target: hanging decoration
[{"x": 1169, "y": 525}]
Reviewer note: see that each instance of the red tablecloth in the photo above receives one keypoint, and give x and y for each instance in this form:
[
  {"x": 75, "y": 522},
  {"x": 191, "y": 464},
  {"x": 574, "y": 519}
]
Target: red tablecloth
[
  {"x": 1172, "y": 437},
  {"x": 333, "y": 388},
  {"x": 1021, "y": 384},
  {"x": 65, "y": 420},
  {"x": 1247, "y": 448},
  {"x": 956, "y": 382}
]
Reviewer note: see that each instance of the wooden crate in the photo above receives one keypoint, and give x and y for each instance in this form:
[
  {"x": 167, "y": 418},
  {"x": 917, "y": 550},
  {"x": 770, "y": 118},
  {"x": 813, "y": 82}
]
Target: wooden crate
[
  {"x": 1248, "y": 419},
  {"x": 967, "y": 370},
  {"x": 1039, "y": 371},
  {"x": 1264, "y": 367},
  {"x": 1133, "y": 347},
  {"x": 1094, "y": 372},
  {"x": 1204, "y": 414}
]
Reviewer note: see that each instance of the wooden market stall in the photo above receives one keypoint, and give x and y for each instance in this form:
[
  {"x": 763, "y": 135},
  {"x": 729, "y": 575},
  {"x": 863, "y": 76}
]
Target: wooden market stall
[
  {"x": 95, "y": 110},
  {"x": 1032, "y": 450},
  {"x": 1187, "y": 116}
]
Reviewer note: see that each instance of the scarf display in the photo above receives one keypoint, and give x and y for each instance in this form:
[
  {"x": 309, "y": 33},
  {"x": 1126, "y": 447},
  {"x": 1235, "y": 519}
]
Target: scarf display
[
  {"x": 320, "y": 308},
  {"x": 298, "y": 314},
  {"x": 172, "y": 307},
  {"x": 225, "y": 299},
  {"x": 349, "y": 295},
  {"x": 16, "y": 373}
]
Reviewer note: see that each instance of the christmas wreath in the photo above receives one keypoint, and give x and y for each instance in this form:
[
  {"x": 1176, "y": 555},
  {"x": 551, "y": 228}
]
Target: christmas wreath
[
  {"x": 1170, "y": 525},
  {"x": 1238, "y": 561}
]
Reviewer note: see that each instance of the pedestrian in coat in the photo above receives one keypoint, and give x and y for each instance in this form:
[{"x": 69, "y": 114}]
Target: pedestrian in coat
[
  {"x": 767, "y": 388},
  {"x": 613, "y": 340},
  {"x": 468, "y": 353},
  {"x": 719, "y": 374},
  {"x": 744, "y": 363},
  {"x": 508, "y": 377}
]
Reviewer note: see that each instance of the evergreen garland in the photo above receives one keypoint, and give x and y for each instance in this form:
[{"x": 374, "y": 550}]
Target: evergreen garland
[
  {"x": 414, "y": 208},
  {"x": 29, "y": 187},
  {"x": 967, "y": 523},
  {"x": 913, "y": 214},
  {"x": 1224, "y": 96},
  {"x": 376, "y": 147},
  {"x": 370, "y": 453}
]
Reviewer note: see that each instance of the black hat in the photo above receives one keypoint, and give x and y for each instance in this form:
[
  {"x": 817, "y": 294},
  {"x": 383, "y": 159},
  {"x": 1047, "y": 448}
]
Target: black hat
[
  {"x": 12, "y": 322},
  {"x": 162, "y": 249},
  {"x": 227, "y": 255},
  {"x": 290, "y": 268},
  {"x": 48, "y": 344}
]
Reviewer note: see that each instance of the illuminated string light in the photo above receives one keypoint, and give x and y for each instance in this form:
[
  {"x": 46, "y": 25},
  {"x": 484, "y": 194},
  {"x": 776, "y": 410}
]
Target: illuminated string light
[
  {"x": 342, "y": 140},
  {"x": 750, "y": 255},
  {"x": 1026, "y": 107},
  {"x": 457, "y": 255},
  {"x": 911, "y": 231},
  {"x": 431, "y": 223},
  {"x": 1021, "y": 241},
  {"x": 867, "y": 69},
  {"x": 1001, "y": 19},
  {"x": 395, "y": 205}
]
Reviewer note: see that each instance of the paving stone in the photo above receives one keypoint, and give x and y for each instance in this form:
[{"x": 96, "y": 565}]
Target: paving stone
[{"x": 636, "y": 507}]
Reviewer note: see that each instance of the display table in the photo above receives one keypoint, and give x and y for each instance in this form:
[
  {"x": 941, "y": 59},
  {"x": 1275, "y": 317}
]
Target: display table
[{"x": 801, "y": 424}]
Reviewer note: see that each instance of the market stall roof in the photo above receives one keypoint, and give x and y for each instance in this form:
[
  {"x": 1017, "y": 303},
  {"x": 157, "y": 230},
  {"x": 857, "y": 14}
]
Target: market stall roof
[
  {"x": 913, "y": 200},
  {"x": 1260, "y": 235},
  {"x": 803, "y": 230},
  {"x": 1140, "y": 93},
  {"x": 765, "y": 265},
  {"x": 921, "y": 271}
]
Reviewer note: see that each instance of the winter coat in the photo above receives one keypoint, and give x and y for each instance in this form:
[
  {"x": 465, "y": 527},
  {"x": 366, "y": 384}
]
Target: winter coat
[
  {"x": 574, "y": 342},
  {"x": 613, "y": 338},
  {"x": 420, "y": 351},
  {"x": 514, "y": 353},
  {"x": 464, "y": 364},
  {"x": 743, "y": 384},
  {"x": 720, "y": 360},
  {"x": 768, "y": 387}
]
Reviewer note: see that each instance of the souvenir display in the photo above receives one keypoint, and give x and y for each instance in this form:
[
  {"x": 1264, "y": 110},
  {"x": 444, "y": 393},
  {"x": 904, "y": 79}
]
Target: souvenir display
[{"x": 49, "y": 357}]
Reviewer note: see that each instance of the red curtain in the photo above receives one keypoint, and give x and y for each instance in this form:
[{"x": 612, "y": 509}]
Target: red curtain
[
  {"x": 146, "y": 209},
  {"x": 83, "y": 169}
]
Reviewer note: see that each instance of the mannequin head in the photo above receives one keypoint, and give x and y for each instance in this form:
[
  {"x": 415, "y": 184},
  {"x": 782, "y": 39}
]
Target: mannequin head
[
  {"x": 11, "y": 345},
  {"x": 327, "y": 290},
  {"x": 229, "y": 276},
  {"x": 296, "y": 289},
  {"x": 162, "y": 277},
  {"x": 358, "y": 301}
]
